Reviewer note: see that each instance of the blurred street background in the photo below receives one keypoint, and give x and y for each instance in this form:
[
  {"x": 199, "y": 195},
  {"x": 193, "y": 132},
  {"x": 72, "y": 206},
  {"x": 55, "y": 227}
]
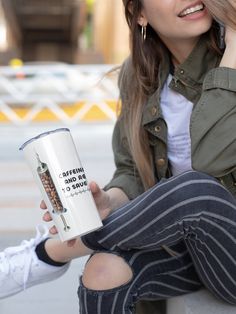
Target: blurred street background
[{"x": 57, "y": 61}]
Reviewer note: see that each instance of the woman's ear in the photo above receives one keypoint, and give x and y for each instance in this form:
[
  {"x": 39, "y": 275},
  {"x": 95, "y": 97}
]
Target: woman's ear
[{"x": 142, "y": 21}]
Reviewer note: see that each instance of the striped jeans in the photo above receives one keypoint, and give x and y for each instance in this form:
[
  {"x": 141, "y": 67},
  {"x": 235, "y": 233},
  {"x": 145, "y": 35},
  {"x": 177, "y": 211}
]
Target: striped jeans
[{"x": 195, "y": 217}]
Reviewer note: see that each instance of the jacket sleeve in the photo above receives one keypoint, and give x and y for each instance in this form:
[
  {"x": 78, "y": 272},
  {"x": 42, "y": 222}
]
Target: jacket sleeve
[
  {"x": 126, "y": 176},
  {"x": 213, "y": 124}
]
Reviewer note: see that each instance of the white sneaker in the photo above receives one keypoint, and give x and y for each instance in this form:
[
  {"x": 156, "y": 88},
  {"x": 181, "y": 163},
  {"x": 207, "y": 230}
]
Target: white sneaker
[{"x": 20, "y": 267}]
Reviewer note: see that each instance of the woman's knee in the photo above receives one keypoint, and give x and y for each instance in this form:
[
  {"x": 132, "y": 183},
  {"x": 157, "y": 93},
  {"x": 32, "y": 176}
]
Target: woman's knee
[{"x": 106, "y": 271}]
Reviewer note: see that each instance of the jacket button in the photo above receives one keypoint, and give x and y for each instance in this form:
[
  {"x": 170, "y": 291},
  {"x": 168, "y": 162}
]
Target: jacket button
[
  {"x": 222, "y": 182},
  {"x": 161, "y": 162},
  {"x": 182, "y": 71},
  {"x": 157, "y": 128},
  {"x": 154, "y": 111}
]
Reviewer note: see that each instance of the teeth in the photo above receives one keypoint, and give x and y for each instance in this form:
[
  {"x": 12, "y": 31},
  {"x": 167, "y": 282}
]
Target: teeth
[{"x": 198, "y": 7}]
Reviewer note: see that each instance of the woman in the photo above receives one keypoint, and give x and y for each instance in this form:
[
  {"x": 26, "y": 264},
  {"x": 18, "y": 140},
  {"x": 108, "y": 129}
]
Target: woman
[{"x": 174, "y": 145}]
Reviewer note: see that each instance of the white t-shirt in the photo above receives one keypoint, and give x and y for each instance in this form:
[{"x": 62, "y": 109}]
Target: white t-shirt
[{"x": 177, "y": 110}]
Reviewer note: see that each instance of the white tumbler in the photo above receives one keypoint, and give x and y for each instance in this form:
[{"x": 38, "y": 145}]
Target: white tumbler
[{"x": 56, "y": 167}]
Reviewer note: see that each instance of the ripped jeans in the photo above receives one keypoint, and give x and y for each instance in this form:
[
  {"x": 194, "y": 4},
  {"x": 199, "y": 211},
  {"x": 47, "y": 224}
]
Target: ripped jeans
[{"x": 195, "y": 217}]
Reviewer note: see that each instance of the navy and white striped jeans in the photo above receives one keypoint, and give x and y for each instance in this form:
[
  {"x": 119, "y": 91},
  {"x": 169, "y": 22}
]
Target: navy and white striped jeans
[{"x": 192, "y": 214}]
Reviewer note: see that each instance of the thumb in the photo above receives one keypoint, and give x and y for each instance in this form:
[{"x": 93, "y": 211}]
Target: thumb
[{"x": 94, "y": 187}]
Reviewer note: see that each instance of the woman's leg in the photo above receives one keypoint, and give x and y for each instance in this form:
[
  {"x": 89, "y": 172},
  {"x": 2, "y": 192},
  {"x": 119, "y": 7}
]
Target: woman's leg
[
  {"x": 192, "y": 207},
  {"x": 112, "y": 284}
]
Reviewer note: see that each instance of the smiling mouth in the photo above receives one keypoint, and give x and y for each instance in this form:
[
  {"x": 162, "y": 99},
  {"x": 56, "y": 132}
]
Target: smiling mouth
[{"x": 192, "y": 10}]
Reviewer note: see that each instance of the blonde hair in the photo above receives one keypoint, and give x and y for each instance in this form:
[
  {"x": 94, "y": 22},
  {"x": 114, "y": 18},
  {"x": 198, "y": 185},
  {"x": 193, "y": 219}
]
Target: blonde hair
[
  {"x": 223, "y": 10},
  {"x": 144, "y": 66}
]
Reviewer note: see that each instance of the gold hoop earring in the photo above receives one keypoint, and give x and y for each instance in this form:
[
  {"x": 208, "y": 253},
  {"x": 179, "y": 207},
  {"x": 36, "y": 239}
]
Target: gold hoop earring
[{"x": 144, "y": 32}]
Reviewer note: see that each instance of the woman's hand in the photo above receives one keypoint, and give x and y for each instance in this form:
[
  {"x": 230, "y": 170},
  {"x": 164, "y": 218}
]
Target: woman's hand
[{"x": 102, "y": 201}]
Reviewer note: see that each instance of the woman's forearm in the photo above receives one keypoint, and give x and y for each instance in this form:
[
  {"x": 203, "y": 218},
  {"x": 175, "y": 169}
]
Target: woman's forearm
[{"x": 62, "y": 252}]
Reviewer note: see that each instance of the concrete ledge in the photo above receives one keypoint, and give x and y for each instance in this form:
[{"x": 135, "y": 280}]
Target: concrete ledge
[{"x": 200, "y": 302}]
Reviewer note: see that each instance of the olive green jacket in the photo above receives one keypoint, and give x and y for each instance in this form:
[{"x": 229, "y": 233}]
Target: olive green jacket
[{"x": 212, "y": 90}]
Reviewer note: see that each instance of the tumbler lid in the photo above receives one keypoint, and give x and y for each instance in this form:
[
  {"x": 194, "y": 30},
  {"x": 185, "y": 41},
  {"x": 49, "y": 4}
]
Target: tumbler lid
[{"x": 42, "y": 135}]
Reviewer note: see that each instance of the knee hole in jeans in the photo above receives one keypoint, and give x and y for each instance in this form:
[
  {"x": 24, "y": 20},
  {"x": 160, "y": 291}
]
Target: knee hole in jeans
[{"x": 106, "y": 271}]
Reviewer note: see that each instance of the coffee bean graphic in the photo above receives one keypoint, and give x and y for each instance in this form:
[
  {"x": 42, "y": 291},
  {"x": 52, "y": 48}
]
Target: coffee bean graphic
[{"x": 51, "y": 191}]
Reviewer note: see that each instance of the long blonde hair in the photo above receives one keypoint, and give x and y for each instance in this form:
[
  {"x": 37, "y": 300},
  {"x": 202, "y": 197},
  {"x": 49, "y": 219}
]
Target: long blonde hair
[
  {"x": 223, "y": 10},
  {"x": 145, "y": 60}
]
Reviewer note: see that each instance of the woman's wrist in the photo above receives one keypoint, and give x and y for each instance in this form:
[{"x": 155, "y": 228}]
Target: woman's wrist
[
  {"x": 61, "y": 252},
  {"x": 228, "y": 62},
  {"x": 117, "y": 198},
  {"x": 229, "y": 57}
]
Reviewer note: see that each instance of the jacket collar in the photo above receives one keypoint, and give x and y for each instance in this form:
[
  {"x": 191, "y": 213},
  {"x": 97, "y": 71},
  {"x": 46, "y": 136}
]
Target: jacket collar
[
  {"x": 201, "y": 60},
  {"x": 191, "y": 73}
]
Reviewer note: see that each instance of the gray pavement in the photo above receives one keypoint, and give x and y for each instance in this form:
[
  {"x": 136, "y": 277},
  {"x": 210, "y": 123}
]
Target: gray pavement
[{"x": 19, "y": 209}]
